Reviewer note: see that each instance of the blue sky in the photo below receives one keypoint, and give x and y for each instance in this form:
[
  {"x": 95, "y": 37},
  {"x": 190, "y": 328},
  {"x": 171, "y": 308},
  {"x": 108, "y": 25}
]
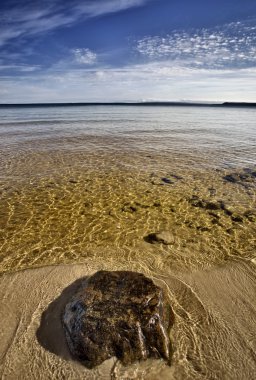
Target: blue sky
[{"x": 127, "y": 50}]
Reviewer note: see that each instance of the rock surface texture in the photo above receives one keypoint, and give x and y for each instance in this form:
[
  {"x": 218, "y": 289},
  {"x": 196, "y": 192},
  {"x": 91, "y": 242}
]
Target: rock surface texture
[
  {"x": 120, "y": 314},
  {"x": 161, "y": 237}
]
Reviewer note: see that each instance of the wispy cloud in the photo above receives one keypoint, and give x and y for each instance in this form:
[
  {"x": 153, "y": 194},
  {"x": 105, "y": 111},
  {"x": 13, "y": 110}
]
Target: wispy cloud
[
  {"x": 18, "y": 68},
  {"x": 84, "y": 56},
  {"x": 25, "y": 18},
  {"x": 97, "y": 8},
  {"x": 153, "y": 80},
  {"x": 230, "y": 45}
]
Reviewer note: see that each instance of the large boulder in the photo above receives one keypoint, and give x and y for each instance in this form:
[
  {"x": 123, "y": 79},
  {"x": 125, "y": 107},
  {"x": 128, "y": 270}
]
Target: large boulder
[{"x": 120, "y": 314}]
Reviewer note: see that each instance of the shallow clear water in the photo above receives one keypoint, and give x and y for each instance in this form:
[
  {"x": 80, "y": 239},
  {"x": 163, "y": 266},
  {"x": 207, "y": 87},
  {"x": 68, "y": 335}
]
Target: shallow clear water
[
  {"x": 227, "y": 137},
  {"x": 79, "y": 182}
]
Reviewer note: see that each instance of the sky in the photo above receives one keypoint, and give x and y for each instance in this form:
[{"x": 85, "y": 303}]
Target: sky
[{"x": 127, "y": 50}]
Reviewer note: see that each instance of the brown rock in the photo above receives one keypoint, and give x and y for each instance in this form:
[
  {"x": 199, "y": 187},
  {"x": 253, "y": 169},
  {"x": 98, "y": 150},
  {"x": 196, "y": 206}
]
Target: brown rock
[
  {"x": 120, "y": 314},
  {"x": 162, "y": 237}
]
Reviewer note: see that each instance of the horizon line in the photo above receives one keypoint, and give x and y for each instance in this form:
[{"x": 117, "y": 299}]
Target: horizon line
[{"x": 138, "y": 103}]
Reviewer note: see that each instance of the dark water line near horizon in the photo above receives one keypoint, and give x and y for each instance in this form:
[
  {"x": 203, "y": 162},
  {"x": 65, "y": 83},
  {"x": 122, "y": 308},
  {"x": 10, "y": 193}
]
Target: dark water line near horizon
[{"x": 139, "y": 104}]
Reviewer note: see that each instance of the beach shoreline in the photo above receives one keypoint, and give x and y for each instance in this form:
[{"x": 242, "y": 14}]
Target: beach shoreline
[{"x": 214, "y": 322}]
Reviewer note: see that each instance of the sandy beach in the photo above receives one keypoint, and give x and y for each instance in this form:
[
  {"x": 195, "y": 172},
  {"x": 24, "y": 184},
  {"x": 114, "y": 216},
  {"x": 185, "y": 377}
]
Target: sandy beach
[{"x": 213, "y": 336}]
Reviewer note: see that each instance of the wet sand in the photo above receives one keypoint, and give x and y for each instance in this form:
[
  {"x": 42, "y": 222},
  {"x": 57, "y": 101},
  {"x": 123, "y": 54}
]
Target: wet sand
[{"x": 213, "y": 336}]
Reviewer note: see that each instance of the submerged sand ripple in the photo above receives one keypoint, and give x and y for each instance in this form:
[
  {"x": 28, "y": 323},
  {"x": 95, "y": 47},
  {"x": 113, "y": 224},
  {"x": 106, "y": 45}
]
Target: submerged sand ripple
[
  {"x": 213, "y": 335},
  {"x": 68, "y": 218}
]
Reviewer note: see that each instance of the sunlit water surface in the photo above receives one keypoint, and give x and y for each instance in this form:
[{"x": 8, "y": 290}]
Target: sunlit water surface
[{"x": 95, "y": 181}]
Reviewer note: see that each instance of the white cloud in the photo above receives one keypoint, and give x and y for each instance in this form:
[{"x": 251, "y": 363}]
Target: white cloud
[
  {"x": 25, "y": 18},
  {"x": 19, "y": 68},
  {"x": 156, "y": 80},
  {"x": 97, "y": 8},
  {"x": 8, "y": 33},
  {"x": 85, "y": 56},
  {"x": 231, "y": 45}
]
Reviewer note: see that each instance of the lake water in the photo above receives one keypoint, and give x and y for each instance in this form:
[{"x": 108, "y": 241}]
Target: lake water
[
  {"x": 77, "y": 181},
  {"x": 222, "y": 137}
]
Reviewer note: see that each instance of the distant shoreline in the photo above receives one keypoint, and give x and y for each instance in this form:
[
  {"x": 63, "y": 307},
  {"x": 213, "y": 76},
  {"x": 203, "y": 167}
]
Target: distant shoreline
[{"x": 140, "y": 104}]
